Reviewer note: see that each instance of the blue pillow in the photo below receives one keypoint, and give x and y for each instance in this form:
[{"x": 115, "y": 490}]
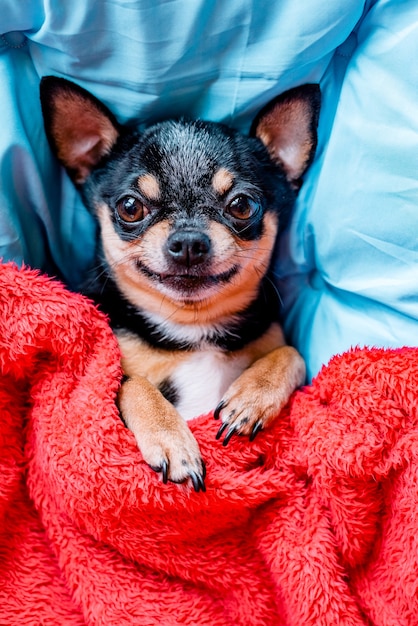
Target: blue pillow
[{"x": 348, "y": 265}]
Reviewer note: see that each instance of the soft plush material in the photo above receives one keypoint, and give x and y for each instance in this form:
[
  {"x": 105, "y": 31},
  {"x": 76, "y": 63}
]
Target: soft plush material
[
  {"x": 347, "y": 266},
  {"x": 313, "y": 523}
]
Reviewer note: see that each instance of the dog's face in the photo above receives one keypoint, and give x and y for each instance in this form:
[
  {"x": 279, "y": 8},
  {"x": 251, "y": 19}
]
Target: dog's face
[{"x": 188, "y": 211}]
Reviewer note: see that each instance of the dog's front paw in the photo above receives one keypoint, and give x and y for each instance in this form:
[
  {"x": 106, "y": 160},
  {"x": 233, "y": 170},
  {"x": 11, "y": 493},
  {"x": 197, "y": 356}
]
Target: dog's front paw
[
  {"x": 164, "y": 438},
  {"x": 174, "y": 453},
  {"x": 245, "y": 410},
  {"x": 258, "y": 395}
]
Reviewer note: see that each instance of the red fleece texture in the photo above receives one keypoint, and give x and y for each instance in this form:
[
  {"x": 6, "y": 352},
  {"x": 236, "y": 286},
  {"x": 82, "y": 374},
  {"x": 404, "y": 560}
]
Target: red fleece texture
[{"x": 313, "y": 523}]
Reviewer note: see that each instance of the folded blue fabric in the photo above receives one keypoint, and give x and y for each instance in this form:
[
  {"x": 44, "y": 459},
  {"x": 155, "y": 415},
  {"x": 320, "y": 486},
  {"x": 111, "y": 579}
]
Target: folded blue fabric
[
  {"x": 347, "y": 266},
  {"x": 349, "y": 262}
]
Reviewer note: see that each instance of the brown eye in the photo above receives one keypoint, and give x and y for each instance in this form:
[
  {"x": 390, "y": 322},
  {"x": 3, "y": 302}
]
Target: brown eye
[
  {"x": 131, "y": 209},
  {"x": 242, "y": 208}
]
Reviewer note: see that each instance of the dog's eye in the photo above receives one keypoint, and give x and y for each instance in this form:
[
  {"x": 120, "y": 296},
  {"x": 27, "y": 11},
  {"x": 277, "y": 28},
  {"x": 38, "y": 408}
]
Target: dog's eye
[
  {"x": 131, "y": 209},
  {"x": 242, "y": 208}
]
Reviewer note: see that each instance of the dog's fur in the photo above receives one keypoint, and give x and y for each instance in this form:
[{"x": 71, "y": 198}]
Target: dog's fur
[{"x": 189, "y": 212}]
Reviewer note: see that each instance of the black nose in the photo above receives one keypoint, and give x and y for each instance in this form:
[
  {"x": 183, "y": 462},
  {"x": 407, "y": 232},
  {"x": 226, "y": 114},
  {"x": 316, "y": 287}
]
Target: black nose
[{"x": 188, "y": 247}]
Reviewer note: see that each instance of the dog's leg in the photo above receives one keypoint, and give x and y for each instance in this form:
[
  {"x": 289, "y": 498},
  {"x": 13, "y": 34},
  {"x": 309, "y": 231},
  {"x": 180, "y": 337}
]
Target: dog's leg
[
  {"x": 258, "y": 395},
  {"x": 163, "y": 437}
]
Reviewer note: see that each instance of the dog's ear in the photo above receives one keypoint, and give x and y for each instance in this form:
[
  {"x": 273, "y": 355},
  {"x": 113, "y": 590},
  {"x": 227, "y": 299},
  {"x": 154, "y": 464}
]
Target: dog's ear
[
  {"x": 80, "y": 129},
  {"x": 288, "y": 128}
]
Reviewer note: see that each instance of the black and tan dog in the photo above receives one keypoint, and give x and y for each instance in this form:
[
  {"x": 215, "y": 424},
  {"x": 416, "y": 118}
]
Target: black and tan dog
[{"x": 189, "y": 212}]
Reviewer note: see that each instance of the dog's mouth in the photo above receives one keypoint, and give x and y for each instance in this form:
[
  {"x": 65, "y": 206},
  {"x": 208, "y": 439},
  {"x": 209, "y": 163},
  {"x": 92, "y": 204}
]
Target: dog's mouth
[{"x": 188, "y": 283}]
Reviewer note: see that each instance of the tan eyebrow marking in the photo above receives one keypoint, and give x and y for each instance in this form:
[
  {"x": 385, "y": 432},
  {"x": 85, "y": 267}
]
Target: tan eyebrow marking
[
  {"x": 222, "y": 181},
  {"x": 149, "y": 186}
]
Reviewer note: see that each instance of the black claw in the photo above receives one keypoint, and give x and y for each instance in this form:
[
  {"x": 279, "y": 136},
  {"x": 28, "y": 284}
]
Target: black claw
[
  {"x": 195, "y": 481},
  {"x": 228, "y": 435},
  {"x": 223, "y": 427},
  {"x": 218, "y": 409},
  {"x": 198, "y": 483},
  {"x": 164, "y": 470},
  {"x": 203, "y": 470},
  {"x": 256, "y": 429},
  {"x": 202, "y": 484}
]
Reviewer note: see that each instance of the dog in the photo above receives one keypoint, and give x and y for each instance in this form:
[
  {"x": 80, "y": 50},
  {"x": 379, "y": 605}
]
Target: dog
[{"x": 188, "y": 214}]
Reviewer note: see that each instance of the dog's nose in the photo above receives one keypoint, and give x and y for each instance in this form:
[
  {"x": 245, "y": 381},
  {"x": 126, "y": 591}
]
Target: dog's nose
[{"x": 188, "y": 247}]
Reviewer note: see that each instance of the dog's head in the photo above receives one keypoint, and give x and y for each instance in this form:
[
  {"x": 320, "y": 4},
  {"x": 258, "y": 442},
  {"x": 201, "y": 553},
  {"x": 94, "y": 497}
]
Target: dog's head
[{"x": 188, "y": 210}]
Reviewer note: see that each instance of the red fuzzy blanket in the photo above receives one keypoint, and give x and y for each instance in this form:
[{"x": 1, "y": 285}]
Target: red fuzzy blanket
[{"x": 314, "y": 523}]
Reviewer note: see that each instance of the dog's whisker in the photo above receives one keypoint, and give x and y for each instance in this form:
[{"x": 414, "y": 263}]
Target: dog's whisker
[{"x": 275, "y": 289}]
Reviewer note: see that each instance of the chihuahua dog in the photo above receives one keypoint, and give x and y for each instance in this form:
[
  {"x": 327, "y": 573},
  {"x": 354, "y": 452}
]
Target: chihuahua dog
[{"x": 188, "y": 213}]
